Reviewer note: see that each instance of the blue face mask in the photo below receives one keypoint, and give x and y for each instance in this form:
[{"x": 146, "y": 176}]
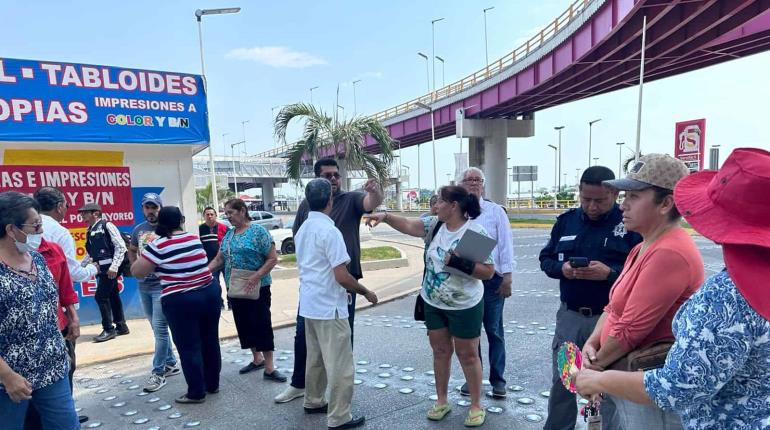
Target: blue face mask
[{"x": 32, "y": 243}]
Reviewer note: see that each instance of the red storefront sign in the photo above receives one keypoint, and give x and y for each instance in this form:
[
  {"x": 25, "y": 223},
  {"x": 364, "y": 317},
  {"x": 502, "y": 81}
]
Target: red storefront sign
[
  {"x": 690, "y": 143},
  {"x": 109, "y": 187}
]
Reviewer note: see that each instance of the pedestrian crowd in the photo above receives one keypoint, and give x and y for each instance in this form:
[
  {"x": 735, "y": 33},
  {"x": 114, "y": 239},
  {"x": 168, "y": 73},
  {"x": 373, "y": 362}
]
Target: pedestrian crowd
[{"x": 663, "y": 346}]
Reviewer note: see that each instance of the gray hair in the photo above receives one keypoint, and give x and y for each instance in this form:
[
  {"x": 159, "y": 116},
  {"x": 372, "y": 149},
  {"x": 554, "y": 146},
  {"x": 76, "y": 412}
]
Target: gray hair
[
  {"x": 473, "y": 169},
  {"x": 317, "y": 193}
]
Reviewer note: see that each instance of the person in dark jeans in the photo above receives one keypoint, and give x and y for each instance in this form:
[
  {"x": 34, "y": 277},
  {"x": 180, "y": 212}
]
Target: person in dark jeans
[
  {"x": 346, "y": 213},
  {"x": 107, "y": 250},
  {"x": 190, "y": 301},
  {"x": 211, "y": 233}
]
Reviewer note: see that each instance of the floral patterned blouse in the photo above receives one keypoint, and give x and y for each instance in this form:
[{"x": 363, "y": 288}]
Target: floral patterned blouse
[
  {"x": 717, "y": 375},
  {"x": 247, "y": 250},
  {"x": 30, "y": 341}
]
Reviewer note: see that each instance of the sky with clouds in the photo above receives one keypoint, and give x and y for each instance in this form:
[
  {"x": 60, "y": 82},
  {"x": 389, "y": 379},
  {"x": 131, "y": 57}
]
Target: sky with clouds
[{"x": 272, "y": 53}]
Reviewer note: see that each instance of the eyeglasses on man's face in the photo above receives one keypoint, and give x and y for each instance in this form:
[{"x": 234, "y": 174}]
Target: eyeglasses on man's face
[
  {"x": 330, "y": 176},
  {"x": 473, "y": 181}
]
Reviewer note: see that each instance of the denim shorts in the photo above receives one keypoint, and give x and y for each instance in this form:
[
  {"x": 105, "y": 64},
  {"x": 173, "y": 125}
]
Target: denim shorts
[{"x": 462, "y": 323}]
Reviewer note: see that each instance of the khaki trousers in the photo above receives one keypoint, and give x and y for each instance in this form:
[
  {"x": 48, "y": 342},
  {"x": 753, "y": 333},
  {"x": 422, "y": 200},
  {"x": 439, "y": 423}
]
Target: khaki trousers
[{"x": 329, "y": 362}]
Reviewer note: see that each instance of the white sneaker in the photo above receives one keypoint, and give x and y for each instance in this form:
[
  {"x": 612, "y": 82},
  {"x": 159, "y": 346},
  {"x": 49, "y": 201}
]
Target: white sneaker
[
  {"x": 289, "y": 394},
  {"x": 155, "y": 383},
  {"x": 172, "y": 370}
]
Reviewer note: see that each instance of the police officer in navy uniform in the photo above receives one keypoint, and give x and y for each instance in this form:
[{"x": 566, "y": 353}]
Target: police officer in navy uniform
[
  {"x": 595, "y": 234},
  {"x": 107, "y": 250}
]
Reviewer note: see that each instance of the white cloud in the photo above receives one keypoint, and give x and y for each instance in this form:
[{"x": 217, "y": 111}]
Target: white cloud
[{"x": 276, "y": 56}]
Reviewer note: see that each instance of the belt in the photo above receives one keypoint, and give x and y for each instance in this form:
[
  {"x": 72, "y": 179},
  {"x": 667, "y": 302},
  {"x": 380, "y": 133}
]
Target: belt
[{"x": 584, "y": 310}]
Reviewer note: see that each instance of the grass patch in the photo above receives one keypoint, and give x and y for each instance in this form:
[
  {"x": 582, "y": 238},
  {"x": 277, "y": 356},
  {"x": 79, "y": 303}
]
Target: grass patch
[
  {"x": 532, "y": 221},
  {"x": 367, "y": 254}
]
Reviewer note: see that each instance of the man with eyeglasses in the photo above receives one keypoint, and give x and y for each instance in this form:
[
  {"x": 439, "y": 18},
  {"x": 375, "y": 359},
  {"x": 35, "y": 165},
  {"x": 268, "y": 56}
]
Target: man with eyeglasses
[
  {"x": 593, "y": 233},
  {"x": 496, "y": 290},
  {"x": 347, "y": 210}
]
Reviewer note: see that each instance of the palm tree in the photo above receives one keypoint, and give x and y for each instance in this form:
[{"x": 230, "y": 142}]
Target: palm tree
[
  {"x": 629, "y": 161},
  {"x": 325, "y": 136},
  {"x": 203, "y": 197}
]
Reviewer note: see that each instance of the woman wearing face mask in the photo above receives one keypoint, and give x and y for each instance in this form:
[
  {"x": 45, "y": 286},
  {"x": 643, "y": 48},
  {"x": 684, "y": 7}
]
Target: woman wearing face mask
[{"x": 33, "y": 358}]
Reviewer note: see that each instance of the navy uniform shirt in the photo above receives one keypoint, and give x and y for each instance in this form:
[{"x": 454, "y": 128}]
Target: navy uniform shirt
[{"x": 575, "y": 235}]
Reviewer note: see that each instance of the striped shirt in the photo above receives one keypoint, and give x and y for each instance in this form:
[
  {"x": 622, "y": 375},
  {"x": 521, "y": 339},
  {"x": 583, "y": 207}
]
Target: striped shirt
[{"x": 181, "y": 263}]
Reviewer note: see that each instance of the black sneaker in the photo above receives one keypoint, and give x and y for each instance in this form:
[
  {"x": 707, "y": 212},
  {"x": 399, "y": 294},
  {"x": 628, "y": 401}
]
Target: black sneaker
[
  {"x": 104, "y": 336},
  {"x": 319, "y": 410},
  {"x": 355, "y": 422},
  {"x": 275, "y": 376},
  {"x": 82, "y": 418},
  {"x": 498, "y": 392},
  {"x": 464, "y": 391},
  {"x": 122, "y": 329}
]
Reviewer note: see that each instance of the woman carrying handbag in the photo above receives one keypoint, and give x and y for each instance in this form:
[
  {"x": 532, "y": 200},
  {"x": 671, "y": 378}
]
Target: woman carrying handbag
[{"x": 248, "y": 255}]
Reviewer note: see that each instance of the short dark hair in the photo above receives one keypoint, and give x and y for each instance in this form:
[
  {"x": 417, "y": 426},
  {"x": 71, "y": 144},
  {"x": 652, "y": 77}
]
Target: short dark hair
[
  {"x": 14, "y": 207},
  {"x": 433, "y": 200},
  {"x": 170, "y": 218},
  {"x": 469, "y": 203},
  {"x": 209, "y": 208},
  {"x": 324, "y": 162},
  {"x": 595, "y": 175},
  {"x": 317, "y": 193},
  {"x": 48, "y": 198},
  {"x": 660, "y": 195},
  {"x": 238, "y": 205}
]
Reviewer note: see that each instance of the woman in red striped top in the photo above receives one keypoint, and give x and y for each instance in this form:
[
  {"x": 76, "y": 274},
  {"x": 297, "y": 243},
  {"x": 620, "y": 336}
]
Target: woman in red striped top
[{"x": 190, "y": 301}]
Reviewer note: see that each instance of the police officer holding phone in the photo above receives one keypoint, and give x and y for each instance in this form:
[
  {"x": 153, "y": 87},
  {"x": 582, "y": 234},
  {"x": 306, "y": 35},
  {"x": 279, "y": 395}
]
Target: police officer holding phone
[{"x": 586, "y": 252}]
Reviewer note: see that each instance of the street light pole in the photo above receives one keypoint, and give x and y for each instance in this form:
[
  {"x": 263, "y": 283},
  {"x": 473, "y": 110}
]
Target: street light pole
[
  {"x": 355, "y": 108},
  {"x": 232, "y": 159},
  {"x": 559, "y": 129},
  {"x": 443, "y": 77},
  {"x": 596, "y": 161},
  {"x": 641, "y": 88},
  {"x": 486, "y": 46},
  {"x": 620, "y": 157},
  {"x": 590, "y": 125},
  {"x": 433, "y": 38},
  {"x": 555, "y": 175},
  {"x": 433, "y": 142},
  {"x": 311, "y": 93},
  {"x": 198, "y": 15},
  {"x": 427, "y": 70},
  {"x": 243, "y": 124}
]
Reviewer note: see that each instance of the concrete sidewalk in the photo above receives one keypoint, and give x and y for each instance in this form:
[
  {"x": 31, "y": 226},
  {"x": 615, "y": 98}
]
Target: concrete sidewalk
[{"x": 389, "y": 284}]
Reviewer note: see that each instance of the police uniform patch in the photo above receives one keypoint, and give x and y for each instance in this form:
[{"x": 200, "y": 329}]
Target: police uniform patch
[{"x": 620, "y": 230}]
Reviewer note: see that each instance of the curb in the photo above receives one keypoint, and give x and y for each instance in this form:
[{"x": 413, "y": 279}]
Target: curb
[{"x": 394, "y": 263}]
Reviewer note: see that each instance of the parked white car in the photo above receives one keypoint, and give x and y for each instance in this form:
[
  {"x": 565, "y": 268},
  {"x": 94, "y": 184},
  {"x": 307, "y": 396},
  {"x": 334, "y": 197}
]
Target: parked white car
[
  {"x": 284, "y": 239},
  {"x": 265, "y": 219}
]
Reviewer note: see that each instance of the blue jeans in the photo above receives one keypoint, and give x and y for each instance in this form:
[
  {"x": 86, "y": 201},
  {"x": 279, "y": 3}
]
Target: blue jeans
[
  {"x": 54, "y": 404},
  {"x": 164, "y": 355},
  {"x": 193, "y": 318},
  {"x": 493, "y": 326}
]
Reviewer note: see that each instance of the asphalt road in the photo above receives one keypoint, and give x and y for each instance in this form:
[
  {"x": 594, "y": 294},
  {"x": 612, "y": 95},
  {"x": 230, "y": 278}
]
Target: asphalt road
[{"x": 393, "y": 358}]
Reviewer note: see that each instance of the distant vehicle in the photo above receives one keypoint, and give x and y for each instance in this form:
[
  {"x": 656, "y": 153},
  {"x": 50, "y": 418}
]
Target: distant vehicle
[
  {"x": 284, "y": 239},
  {"x": 265, "y": 219}
]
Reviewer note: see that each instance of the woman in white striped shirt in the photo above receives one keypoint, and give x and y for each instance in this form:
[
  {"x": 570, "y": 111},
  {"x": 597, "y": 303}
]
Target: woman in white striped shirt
[{"x": 190, "y": 300}]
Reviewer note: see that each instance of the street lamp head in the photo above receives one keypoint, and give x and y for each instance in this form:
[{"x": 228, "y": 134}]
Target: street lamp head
[
  {"x": 489, "y": 8},
  {"x": 559, "y": 127},
  {"x": 314, "y": 88},
  {"x": 620, "y": 143},
  {"x": 439, "y": 58},
  {"x": 200, "y": 12},
  {"x": 423, "y": 56},
  {"x": 554, "y": 147},
  {"x": 423, "y": 105},
  {"x": 436, "y": 20},
  {"x": 356, "y": 81},
  {"x": 590, "y": 123}
]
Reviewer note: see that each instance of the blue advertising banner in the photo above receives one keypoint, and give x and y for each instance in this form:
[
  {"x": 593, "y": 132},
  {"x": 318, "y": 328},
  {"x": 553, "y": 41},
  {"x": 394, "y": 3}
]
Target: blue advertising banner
[{"x": 63, "y": 102}]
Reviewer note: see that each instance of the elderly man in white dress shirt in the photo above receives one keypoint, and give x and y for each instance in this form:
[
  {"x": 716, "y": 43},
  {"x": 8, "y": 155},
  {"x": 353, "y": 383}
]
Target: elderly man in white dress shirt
[
  {"x": 323, "y": 301},
  {"x": 495, "y": 221}
]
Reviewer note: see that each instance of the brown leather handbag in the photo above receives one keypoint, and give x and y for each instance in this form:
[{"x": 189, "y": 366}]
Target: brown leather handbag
[{"x": 648, "y": 357}]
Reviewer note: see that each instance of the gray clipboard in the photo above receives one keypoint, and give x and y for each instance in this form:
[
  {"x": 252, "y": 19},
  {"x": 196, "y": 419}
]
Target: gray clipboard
[{"x": 473, "y": 246}]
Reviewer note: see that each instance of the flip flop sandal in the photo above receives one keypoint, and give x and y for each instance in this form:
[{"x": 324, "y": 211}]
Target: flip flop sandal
[
  {"x": 475, "y": 419},
  {"x": 438, "y": 412}
]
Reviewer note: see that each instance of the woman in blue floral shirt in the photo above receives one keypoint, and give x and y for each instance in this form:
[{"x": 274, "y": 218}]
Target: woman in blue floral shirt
[
  {"x": 250, "y": 247},
  {"x": 33, "y": 358},
  {"x": 716, "y": 374}
]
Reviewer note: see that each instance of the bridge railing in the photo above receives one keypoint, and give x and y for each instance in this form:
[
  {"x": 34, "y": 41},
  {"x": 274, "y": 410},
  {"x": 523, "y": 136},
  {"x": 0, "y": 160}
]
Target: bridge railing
[{"x": 493, "y": 68}]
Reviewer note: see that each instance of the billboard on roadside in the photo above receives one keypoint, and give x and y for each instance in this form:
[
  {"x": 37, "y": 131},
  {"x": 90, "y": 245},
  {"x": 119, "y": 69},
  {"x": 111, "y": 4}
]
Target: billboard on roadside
[
  {"x": 62, "y": 102},
  {"x": 690, "y": 143}
]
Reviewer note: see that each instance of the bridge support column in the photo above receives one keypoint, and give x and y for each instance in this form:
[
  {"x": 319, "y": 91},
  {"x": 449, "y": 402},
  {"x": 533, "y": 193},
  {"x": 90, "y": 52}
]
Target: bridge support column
[
  {"x": 267, "y": 195},
  {"x": 488, "y": 149},
  {"x": 399, "y": 200}
]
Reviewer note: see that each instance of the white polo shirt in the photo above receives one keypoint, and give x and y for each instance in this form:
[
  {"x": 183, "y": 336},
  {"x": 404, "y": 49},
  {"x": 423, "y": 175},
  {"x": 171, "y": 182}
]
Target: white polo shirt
[{"x": 319, "y": 249}]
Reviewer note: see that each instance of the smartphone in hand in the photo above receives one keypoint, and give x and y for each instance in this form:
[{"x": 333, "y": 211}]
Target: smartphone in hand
[{"x": 576, "y": 262}]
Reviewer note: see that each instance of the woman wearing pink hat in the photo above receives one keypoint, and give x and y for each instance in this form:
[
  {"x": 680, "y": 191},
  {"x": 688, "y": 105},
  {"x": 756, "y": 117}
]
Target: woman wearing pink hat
[{"x": 717, "y": 372}]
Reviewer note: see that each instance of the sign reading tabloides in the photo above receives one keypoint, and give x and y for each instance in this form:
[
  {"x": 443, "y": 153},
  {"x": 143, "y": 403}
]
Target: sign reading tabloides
[{"x": 63, "y": 102}]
